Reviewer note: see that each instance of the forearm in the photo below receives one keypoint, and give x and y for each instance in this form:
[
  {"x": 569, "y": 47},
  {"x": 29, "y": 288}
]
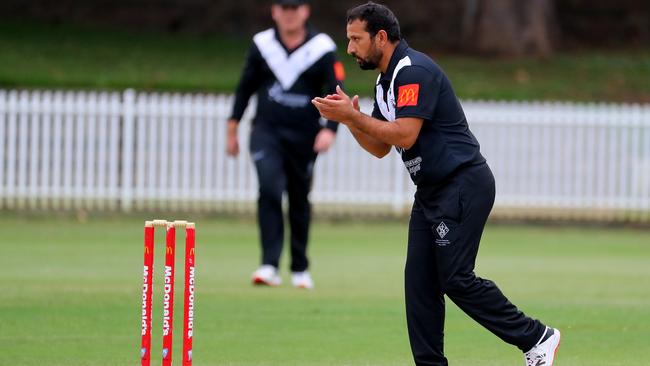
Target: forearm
[
  {"x": 231, "y": 127},
  {"x": 369, "y": 143},
  {"x": 391, "y": 133}
]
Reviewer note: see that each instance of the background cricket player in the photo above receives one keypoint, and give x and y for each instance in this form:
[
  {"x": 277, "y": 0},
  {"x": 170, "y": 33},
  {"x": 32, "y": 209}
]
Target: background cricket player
[{"x": 286, "y": 67}]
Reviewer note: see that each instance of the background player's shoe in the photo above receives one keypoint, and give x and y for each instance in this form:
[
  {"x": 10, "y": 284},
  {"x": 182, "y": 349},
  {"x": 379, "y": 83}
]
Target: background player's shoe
[
  {"x": 266, "y": 275},
  {"x": 302, "y": 280},
  {"x": 543, "y": 354}
]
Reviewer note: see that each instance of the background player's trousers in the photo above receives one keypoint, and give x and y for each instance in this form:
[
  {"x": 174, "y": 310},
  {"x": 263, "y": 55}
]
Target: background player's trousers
[
  {"x": 444, "y": 234},
  {"x": 283, "y": 164}
]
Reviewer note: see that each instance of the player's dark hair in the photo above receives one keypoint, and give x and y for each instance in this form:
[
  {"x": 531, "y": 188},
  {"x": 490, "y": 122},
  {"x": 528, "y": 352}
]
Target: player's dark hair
[{"x": 377, "y": 17}]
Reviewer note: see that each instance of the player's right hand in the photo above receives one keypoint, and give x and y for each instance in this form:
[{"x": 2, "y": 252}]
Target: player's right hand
[
  {"x": 232, "y": 147},
  {"x": 232, "y": 142}
]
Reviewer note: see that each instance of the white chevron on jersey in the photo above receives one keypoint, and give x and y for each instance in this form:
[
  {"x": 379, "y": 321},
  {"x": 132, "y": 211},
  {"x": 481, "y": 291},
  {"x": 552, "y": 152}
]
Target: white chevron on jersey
[
  {"x": 287, "y": 68},
  {"x": 387, "y": 107}
]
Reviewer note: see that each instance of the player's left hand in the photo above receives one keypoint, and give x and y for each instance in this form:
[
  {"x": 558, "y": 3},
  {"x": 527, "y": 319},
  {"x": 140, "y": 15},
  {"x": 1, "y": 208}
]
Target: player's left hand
[
  {"x": 336, "y": 107},
  {"x": 324, "y": 140}
]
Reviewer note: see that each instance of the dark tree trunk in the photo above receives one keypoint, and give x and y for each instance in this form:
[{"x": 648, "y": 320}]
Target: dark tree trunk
[{"x": 510, "y": 27}]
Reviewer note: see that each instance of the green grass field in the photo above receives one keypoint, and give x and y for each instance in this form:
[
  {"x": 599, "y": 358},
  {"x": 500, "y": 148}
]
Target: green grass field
[
  {"x": 70, "y": 295},
  {"x": 39, "y": 56}
]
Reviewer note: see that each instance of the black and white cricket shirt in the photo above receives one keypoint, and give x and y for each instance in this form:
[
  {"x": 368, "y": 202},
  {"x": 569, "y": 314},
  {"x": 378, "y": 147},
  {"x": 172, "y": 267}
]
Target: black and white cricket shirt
[
  {"x": 415, "y": 86},
  {"x": 286, "y": 81}
]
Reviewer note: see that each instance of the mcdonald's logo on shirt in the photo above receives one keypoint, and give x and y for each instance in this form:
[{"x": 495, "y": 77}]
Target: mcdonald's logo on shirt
[
  {"x": 170, "y": 250},
  {"x": 408, "y": 95}
]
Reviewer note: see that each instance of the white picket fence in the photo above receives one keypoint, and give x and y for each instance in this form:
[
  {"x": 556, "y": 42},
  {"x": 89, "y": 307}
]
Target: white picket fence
[{"x": 143, "y": 151}]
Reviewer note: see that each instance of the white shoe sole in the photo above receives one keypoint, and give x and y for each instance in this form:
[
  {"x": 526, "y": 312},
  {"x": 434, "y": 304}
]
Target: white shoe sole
[
  {"x": 556, "y": 346},
  {"x": 259, "y": 281}
]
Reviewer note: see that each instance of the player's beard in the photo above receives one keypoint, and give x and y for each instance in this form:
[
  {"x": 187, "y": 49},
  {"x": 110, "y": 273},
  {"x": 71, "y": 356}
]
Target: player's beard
[{"x": 372, "y": 61}]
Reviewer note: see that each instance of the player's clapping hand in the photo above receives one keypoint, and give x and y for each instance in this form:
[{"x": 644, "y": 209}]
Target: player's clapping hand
[{"x": 337, "y": 107}]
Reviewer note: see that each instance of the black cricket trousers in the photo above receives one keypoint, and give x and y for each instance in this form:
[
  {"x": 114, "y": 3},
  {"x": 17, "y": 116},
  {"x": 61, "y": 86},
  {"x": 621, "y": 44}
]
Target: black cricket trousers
[
  {"x": 284, "y": 161},
  {"x": 445, "y": 229}
]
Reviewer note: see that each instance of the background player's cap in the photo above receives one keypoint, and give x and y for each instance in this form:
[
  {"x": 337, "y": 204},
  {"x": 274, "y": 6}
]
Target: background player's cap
[{"x": 290, "y": 2}]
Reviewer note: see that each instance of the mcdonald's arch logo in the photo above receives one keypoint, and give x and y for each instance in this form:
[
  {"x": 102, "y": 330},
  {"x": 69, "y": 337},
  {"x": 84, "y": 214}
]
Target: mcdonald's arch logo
[
  {"x": 192, "y": 251},
  {"x": 170, "y": 250},
  {"x": 147, "y": 250},
  {"x": 408, "y": 95}
]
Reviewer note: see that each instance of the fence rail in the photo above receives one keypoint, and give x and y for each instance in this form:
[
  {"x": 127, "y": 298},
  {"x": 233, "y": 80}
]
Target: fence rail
[{"x": 150, "y": 151}]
